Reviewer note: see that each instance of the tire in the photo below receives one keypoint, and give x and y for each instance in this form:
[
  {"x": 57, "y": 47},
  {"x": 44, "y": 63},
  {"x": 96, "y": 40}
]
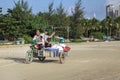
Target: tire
[
  {"x": 62, "y": 57},
  {"x": 41, "y": 58},
  {"x": 29, "y": 57}
]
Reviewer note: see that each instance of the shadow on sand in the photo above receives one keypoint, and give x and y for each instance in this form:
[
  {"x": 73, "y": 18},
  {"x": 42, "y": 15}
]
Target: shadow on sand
[
  {"x": 15, "y": 59},
  {"x": 23, "y": 61},
  {"x": 46, "y": 61}
]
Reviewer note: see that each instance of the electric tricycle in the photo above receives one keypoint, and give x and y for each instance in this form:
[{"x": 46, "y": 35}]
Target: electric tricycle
[{"x": 41, "y": 52}]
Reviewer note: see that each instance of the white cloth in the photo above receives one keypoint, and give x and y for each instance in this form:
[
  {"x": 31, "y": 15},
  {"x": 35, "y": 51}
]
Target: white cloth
[
  {"x": 63, "y": 45},
  {"x": 57, "y": 46}
]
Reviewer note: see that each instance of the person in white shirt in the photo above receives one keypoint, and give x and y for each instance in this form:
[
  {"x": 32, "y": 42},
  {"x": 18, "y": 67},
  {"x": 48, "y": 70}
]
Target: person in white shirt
[
  {"x": 39, "y": 39},
  {"x": 46, "y": 36}
]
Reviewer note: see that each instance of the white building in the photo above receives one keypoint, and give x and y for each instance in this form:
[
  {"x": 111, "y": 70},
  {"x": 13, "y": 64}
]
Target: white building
[
  {"x": 110, "y": 11},
  {"x": 119, "y": 11}
]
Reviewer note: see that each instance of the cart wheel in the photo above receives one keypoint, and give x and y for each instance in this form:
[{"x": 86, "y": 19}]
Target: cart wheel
[
  {"x": 62, "y": 57},
  {"x": 41, "y": 58},
  {"x": 29, "y": 56}
]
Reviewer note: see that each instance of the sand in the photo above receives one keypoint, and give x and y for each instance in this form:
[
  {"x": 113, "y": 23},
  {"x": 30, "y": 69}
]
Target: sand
[{"x": 87, "y": 61}]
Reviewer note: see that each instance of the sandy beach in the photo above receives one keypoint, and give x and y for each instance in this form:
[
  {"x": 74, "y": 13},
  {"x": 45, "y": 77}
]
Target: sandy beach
[{"x": 87, "y": 61}]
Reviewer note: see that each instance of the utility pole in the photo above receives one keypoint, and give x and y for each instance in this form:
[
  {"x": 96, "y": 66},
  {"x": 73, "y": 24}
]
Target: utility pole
[{"x": 68, "y": 30}]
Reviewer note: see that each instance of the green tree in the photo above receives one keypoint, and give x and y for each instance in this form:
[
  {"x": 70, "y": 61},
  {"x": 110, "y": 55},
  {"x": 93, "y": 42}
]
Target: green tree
[
  {"x": 8, "y": 28},
  {"x": 0, "y": 10},
  {"x": 87, "y": 26},
  {"x": 77, "y": 16},
  {"x": 62, "y": 21},
  {"x": 48, "y": 15},
  {"x": 117, "y": 24},
  {"x": 109, "y": 25},
  {"x": 16, "y": 22},
  {"x": 95, "y": 24},
  {"x": 21, "y": 13},
  {"x": 2, "y": 25}
]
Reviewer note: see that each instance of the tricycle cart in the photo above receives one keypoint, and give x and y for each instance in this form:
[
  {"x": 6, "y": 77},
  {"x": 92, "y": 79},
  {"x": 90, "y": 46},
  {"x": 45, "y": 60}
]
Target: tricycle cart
[{"x": 42, "y": 53}]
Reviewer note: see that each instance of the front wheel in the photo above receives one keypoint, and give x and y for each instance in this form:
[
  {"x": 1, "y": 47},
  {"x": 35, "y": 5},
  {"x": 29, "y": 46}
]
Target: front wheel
[
  {"x": 62, "y": 57},
  {"x": 41, "y": 58},
  {"x": 29, "y": 56}
]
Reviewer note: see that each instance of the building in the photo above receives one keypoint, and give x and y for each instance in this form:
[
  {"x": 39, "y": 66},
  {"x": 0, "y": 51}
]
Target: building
[
  {"x": 110, "y": 11},
  {"x": 116, "y": 13},
  {"x": 119, "y": 11}
]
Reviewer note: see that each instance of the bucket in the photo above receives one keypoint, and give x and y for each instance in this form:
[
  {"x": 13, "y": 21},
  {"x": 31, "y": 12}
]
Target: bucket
[{"x": 62, "y": 40}]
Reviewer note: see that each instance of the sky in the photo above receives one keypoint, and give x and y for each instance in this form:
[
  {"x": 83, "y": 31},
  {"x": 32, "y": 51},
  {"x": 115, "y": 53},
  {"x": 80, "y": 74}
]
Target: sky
[{"x": 91, "y": 7}]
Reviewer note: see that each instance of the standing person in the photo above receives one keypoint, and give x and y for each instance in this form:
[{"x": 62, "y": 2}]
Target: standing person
[
  {"x": 39, "y": 39},
  {"x": 46, "y": 36}
]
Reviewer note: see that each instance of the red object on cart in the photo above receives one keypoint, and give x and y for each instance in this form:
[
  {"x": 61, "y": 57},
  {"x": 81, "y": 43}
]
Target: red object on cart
[
  {"x": 36, "y": 47},
  {"x": 66, "y": 48}
]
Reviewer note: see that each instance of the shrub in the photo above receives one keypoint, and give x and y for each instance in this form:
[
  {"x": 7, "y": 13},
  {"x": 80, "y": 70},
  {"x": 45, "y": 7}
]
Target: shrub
[
  {"x": 77, "y": 40},
  {"x": 98, "y": 35},
  {"x": 27, "y": 38}
]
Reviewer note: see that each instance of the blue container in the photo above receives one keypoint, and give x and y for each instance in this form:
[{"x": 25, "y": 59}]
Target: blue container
[
  {"x": 54, "y": 52},
  {"x": 62, "y": 40}
]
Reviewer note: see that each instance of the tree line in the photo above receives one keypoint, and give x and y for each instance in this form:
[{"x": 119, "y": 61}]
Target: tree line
[{"x": 19, "y": 21}]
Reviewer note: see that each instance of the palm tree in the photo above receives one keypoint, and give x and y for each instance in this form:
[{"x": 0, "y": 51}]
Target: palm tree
[
  {"x": 96, "y": 24},
  {"x": 85, "y": 27},
  {"x": 103, "y": 26},
  {"x": 117, "y": 24},
  {"x": 90, "y": 25},
  {"x": 109, "y": 24}
]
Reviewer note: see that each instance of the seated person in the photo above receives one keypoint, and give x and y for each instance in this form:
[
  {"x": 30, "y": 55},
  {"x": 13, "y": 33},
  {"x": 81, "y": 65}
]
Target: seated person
[
  {"x": 46, "y": 38},
  {"x": 39, "y": 39}
]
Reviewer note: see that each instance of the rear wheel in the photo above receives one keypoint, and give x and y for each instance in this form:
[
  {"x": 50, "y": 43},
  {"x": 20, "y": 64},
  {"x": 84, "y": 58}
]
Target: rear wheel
[
  {"x": 29, "y": 56},
  {"x": 62, "y": 57}
]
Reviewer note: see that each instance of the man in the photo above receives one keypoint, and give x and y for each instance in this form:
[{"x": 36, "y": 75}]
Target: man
[
  {"x": 45, "y": 37},
  {"x": 39, "y": 39}
]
